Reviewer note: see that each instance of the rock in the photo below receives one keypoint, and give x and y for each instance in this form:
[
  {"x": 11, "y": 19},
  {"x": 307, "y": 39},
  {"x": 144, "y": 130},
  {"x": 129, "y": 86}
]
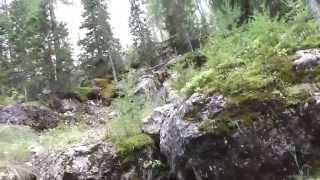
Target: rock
[
  {"x": 150, "y": 87},
  {"x": 307, "y": 59},
  {"x": 265, "y": 149},
  {"x": 69, "y": 105},
  {"x": 38, "y": 118},
  {"x": 94, "y": 162},
  {"x": 16, "y": 173},
  {"x": 153, "y": 123}
]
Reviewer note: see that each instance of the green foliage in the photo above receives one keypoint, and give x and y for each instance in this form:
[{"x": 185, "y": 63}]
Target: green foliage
[
  {"x": 83, "y": 92},
  {"x": 178, "y": 18},
  {"x": 127, "y": 148},
  {"x": 11, "y": 96},
  {"x": 107, "y": 87},
  {"x": 99, "y": 46},
  {"x": 254, "y": 58},
  {"x": 15, "y": 143},
  {"x": 142, "y": 40},
  {"x": 296, "y": 94},
  {"x": 65, "y": 136},
  {"x": 131, "y": 110},
  {"x": 186, "y": 67},
  {"x": 184, "y": 75}
]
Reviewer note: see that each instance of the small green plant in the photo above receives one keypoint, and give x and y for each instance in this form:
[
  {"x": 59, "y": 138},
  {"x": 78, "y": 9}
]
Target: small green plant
[
  {"x": 131, "y": 111},
  {"x": 15, "y": 143}
]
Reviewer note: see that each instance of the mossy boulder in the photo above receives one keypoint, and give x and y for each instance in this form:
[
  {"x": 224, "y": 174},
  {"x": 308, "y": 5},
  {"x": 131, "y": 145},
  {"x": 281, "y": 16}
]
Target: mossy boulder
[
  {"x": 85, "y": 93},
  {"x": 106, "y": 86}
]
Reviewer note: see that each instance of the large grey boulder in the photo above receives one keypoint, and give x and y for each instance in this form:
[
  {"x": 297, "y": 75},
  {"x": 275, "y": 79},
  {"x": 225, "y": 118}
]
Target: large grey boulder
[
  {"x": 150, "y": 87},
  {"x": 36, "y": 117},
  {"x": 16, "y": 173},
  {"x": 86, "y": 162},
  {"x": 265, "y": 149},
  {"x": 307, "y": 59}
]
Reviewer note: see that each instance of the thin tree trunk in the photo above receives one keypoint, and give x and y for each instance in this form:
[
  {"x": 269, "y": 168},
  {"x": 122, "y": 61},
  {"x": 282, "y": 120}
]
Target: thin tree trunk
[
  {"x": 189, "y": 42},
  {"x": 54, "y": 39},
  {"x": 114, "y": 71}
]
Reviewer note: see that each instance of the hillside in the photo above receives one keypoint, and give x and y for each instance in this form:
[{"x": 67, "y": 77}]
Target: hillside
[{"x": 230, "y": 92}]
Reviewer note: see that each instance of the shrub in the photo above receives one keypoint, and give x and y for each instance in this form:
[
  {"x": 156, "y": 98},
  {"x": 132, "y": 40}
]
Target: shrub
[
  {"x": 255, "y": 57},
  {"x": 131, "y": 110}
]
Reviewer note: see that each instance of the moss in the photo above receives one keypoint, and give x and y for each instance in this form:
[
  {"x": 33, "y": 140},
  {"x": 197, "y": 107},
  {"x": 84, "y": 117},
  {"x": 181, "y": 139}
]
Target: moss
[
  {"x": 312, "y": 41},
  {"x": 296, "y": 94},
  {"x": 218, "y": 127},
  {"x": 102, "y": 82},
  {"x": 83, "y": 92},
  {"x": 127, "y": 148},
  {"x": 107, "y": 88}
]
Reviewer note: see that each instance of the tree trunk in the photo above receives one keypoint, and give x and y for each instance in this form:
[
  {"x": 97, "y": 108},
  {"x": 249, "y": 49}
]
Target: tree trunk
[
  {"x": 55, "y": 41},
  {"x": 114, "y": 71},
  {"x": 246, "y": 12}
]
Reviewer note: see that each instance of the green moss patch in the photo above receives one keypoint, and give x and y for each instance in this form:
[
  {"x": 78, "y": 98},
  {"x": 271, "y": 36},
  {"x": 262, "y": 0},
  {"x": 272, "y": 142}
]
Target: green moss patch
[
  {"x": 83, "y": 92},
  {"x": 127, "y": 148}
]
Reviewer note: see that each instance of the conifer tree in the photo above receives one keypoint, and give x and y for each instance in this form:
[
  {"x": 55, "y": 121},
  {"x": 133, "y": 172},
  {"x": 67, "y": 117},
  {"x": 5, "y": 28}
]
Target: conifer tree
[
  {"x": 142, "y": 39},
  {"x": 98, "y": 44}
]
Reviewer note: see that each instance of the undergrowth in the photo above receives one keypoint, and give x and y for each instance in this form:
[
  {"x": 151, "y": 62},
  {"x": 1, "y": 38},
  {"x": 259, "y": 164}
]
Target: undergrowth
[
  {"x": 15, "y": 143},
  {"x": 131, "y": 111},
  {"x": 64, "y": 136},
  {"x": 257, "y": 57}
]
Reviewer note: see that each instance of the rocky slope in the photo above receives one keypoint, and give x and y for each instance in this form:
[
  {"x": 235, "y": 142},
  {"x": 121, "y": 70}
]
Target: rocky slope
[{"x": 201, "y": 137}]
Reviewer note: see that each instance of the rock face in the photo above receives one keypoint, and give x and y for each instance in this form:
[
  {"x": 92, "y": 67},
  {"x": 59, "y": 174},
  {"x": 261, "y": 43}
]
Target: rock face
[
  {"x": 307, "y": 59},
  {"x": 89, "y": 162},
  {"x": 151, "y": 87},
  {"x": 16, "y": 173},
  {"x": 36, "y": 117},
  {"x": 275, "y": 146}
]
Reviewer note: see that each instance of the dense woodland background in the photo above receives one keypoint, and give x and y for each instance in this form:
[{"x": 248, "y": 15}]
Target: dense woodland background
[{"x": 36, "y": 55}]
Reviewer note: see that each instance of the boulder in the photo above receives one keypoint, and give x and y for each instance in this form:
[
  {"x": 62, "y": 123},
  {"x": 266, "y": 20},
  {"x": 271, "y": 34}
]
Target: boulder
[
  {"x": 307, "y": 59},
  {"x": 38, "y": 118},
  {"x": 69, "y": 105},
  {"x": 279, "y": 143},
  {"x": 16, "y": 173},
  {"x": 151, "y": 87},
  {"x": 94, "y": 162}
]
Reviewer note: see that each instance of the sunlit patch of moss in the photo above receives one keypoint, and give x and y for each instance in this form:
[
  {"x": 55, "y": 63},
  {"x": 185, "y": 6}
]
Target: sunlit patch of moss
[
  {"x": 106, "y": 86},
  {"x": 297, "y": 94},
  {"x": 83, "y": 92},
  {"x": 127, "y": 148},
  {"x": 312, "y": 41},
  {"x": 15, "y": 143}
]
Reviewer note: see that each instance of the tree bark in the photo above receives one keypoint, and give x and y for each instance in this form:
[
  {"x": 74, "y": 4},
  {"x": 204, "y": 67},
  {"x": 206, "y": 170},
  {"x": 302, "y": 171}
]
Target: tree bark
[{"x": 114, "y": 71}]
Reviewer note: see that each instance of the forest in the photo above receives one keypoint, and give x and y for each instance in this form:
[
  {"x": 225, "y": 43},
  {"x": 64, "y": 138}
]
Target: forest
[{"x": 199, "y": 90}]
